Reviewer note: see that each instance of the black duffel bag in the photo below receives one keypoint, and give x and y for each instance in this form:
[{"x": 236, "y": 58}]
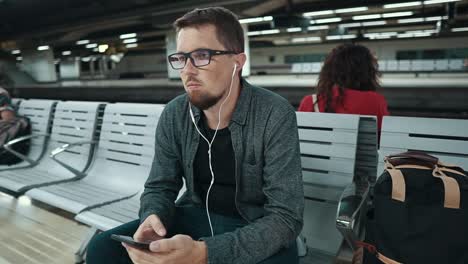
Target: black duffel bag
[
  {"x": 420, "y": 213},
  {"x": 12, "y": 129}
]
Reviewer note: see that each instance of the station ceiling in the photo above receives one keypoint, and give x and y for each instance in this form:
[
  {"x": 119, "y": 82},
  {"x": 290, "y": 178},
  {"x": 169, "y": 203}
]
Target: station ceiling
[{"x": 60, "y": 24}]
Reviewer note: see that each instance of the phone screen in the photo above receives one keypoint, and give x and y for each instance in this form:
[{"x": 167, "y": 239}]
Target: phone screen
[{"x": 129, "y": 240}]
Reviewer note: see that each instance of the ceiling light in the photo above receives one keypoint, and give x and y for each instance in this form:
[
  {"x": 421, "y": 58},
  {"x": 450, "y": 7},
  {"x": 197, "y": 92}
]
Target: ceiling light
[
  {"x": 350, "y": 25},
  {"x": 86, "y": 59},
  {"x": 255, "y": 19},
  {"x": 364, "y": 17},
  {"x": 129, "y": 35},
  {"x": 19, "y": 58},
  {"x": 403, "y": 4},
  {"x": 66, "y": 53},
  {"x": 43, "y": 47},
  {"x": 459, "y": 29},
  {"x": 311, "y": 28},
  {"x": 430, "y": 2},
  {"x": 328, "y": 20},
  {"x": 436, "y": 18},
  {"x": 373, "y": 23},
  {"x": 132, "y": 45},
  {"x": 318, "y": 13},
  {"x": 411, "y": 20},
  {"x": 397, "y": 14},
  {"x": 309, "y": 39},
  {"x": 350, "y": 10},
  {"x": 128, "y": 41},
  {"x": 103, "y": 48},
  {"x": 270, "y": 31},
  {"x": 16, "y": 52},
  {"x": 341, "y": 37},
  {"x": 91, "y": 46},
  {"x": 254, "y": 33},
  {"x": 82, "y": 42},
  {"x": 294, "y": 29}
]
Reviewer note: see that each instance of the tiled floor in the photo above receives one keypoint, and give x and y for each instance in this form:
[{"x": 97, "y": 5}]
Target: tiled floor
[{"x": 32, "y": 235}]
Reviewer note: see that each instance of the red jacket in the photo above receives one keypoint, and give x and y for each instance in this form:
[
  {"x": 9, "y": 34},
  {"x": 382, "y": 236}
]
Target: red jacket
[{"x": 354, "y": 102}]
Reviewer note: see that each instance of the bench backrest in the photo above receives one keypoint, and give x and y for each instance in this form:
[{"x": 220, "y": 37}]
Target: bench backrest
[
  {"x": 39, "y": 113},
  {"x": 446, "y": 139},
  {"x": 328, "y": 145}
]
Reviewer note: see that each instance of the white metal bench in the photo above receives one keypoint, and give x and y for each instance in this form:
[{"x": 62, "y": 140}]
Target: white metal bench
[
  {"x": 122, "y": 161},
  {"x": 328, "y": 145},
  {"x": 40, "y": 114},
  {"x": 73, "y": 122}
]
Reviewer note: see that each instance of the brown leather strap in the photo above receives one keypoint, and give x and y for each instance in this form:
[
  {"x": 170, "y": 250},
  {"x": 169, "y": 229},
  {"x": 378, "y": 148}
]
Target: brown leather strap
[
  {"x": 398, "y": 185},
  {"x": 451, "y": 189},
  {"x": 386, "y": 260}
]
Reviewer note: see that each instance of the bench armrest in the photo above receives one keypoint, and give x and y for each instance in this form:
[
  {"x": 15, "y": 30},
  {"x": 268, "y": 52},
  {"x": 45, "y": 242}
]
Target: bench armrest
[
  {"x": 64, "y": 147},
  {"x": 351, "y": 213},
  {"x": 8, "y": 148}
]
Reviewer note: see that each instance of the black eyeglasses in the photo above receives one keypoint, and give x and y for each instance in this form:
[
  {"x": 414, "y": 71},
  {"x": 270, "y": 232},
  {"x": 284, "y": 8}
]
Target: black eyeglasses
[{"x": 199, "y": 57}]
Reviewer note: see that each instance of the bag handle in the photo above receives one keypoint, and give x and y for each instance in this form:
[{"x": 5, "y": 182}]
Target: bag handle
[{"x": 451, "y": 186}]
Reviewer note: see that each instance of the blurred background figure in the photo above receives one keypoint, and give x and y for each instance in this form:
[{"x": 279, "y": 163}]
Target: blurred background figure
[
  {"x": 7, "y": 111},
  {"x": 348, "y": 83}
]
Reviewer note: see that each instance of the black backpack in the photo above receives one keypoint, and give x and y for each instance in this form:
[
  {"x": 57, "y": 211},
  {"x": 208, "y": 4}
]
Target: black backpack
[
  {"x": 9, "y": 130},
  {"x": 420, "y": 213}
]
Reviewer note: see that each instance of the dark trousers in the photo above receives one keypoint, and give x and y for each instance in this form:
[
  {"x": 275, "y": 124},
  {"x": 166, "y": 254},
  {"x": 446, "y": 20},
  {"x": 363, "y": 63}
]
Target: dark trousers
[{"x": 189, "y": 221}]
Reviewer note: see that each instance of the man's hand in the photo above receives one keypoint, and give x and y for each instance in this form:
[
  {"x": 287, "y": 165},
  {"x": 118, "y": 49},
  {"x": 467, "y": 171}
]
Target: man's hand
[
  {"x": 151, "y": 229},
  {"x": 178, "y": 249}
]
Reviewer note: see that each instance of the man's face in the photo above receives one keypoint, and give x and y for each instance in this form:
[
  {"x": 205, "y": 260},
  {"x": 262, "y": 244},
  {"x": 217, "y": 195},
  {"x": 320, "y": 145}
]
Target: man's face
[{"x": 204, "y": 85}]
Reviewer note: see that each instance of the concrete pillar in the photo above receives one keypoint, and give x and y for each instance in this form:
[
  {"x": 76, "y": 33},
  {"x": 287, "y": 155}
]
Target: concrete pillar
[
  {"x": 40, "y": 64},
  {"x": 171, "y": 47}
]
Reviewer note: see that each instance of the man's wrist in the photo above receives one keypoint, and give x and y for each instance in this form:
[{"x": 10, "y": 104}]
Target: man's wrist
[{"x": 201, "y": 252}]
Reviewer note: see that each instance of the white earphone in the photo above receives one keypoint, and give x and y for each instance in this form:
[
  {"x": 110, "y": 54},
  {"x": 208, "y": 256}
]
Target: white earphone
[{"x": 210, "y": 143}]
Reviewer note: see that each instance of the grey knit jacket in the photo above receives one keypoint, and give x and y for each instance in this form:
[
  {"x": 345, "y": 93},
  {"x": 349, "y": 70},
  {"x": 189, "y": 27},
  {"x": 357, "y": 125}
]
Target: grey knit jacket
[{"x": 269, "y": 192}]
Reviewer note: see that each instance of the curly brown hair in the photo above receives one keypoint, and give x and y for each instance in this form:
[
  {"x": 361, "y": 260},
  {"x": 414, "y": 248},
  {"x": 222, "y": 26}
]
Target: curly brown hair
[{"x": 350, "y": 66}]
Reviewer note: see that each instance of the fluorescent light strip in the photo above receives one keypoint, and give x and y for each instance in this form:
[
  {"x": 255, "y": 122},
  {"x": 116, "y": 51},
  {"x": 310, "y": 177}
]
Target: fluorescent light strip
[
  {"x": 403, "y": 4},
  {"x": 263, "y": 32},
  {"x": 294, "y": 29},
  {"x": 328, "y": 20},
  {"x": 82, "y": 42},
  {"x": 436, "y": 18},
  {"x": 129, "y": 35},
  {"x": 66, "y": 53},
  {"x": 317, "y": 27},
  {"x": 430, "y": 2},
  {"x": 364, "y": 17},
  {"x": 373, "y": 23},
  {"x": 459, "y": 29},
  {"x": 91, "y": 46},
  {"x": 19, "y": 58},
  {"x": 318, "y": 13},
  {"x": 350, "y": 10},
  {"x": 132, "y": 45},
  {"x": 43, "y": 47},
  {"x": 341, "y": 37},
  {"x": 255, "y": 19},
  {"x": 308, "y": 39},
  {"x": 128, "y": 41},
  {"x": 411, "y": 20},
  {"x": 348, "y": 25},
  {"x": 16, "y": 52},
  {"x": 397, "y": 14}
]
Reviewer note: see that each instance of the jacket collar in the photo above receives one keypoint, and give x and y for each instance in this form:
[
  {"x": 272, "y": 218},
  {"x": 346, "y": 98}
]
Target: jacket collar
[{"x": 242, "y": 106}]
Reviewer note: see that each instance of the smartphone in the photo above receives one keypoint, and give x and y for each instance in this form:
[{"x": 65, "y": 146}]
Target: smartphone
[{"x": 129, "y": 240}]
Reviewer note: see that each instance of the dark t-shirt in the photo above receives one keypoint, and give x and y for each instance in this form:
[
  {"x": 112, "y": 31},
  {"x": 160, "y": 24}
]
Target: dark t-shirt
[{"x": 222, "y": 193}]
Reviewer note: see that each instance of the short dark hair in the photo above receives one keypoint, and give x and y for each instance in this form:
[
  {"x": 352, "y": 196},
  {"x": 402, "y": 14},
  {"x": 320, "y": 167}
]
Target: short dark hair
[
  {"x": 347, "y": 66},
  {"x": 229, "y": 32}
]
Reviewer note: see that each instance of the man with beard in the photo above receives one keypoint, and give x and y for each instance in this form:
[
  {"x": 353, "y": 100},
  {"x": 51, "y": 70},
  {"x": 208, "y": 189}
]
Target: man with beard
[{"x": 237, "y": 148}]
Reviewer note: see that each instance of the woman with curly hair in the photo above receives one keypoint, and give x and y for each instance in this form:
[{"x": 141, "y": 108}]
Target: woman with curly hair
[{"x": 348, "y": 83}]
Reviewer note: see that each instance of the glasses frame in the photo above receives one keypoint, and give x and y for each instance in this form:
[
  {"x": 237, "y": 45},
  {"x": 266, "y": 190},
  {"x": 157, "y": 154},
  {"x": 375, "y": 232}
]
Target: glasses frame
[{"x": 188, "y": 55}]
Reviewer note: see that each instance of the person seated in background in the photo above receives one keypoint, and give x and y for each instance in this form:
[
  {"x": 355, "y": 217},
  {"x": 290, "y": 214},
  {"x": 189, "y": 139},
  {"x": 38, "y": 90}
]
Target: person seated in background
[
  {"x": 348, "y": 84},
  {"x": 7, "y": 111},
  {"x": 237, "y": 147}
]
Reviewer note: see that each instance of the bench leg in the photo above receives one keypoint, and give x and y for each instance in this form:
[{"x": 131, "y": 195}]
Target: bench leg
[{"x": 80, "y": 254}]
